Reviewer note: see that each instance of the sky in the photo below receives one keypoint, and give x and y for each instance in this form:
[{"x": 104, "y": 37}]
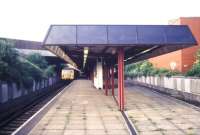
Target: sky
[{"x": 30, "y": 19}]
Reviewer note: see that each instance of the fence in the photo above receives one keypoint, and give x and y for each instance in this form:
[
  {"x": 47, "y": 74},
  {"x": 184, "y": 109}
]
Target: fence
[
  {"x": 184, "y": 88},
  {"x": 10, "y": 91},
  {"x": 13, "y": 98},
  {"x": 180, "y": 83}
]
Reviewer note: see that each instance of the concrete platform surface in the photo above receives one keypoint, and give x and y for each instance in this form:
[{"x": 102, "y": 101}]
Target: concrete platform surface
[
  {"x": 156, "y": 114},
  {"x": 82, "y": 110}
]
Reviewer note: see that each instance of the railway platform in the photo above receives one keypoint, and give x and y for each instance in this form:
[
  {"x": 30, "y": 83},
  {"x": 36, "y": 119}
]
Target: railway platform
[
  {"x": 153, "y": 113},
  {"x": 82, "y": 110}
]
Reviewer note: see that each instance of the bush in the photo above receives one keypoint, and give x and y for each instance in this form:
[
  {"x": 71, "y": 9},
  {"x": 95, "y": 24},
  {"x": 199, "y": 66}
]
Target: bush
[
  {"x": 132, "y": 70},
  {"x": 146, "y": 68},
  {"x": 194, "y": 71}
]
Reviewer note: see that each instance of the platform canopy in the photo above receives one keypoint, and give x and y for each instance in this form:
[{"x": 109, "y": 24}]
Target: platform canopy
[{"x": 102, "y": 41}]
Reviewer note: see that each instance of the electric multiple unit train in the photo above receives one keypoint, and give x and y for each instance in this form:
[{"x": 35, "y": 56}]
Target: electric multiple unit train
[{"x": 67, "y": 74}]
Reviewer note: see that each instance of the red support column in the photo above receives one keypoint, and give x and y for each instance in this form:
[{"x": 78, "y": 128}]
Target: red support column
[
  {"x": 112, "y": 81},
  {"x": 119, "y": 92},
  {"x": 109, "y": 78},
  {"x": 121, "y": 78},
  {"x": 106, "y": 81}
]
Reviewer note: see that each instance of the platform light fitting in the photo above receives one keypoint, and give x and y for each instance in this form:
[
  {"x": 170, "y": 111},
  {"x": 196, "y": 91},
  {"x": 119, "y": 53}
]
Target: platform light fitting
[
  {"x": 86, "y": 50},
  {"x": 113, "y": 51},
  {"x": 85, "y": 55}
]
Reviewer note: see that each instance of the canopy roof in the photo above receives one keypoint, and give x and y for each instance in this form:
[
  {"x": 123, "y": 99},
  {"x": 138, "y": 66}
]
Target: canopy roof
[{"x": 139, "y": 41}]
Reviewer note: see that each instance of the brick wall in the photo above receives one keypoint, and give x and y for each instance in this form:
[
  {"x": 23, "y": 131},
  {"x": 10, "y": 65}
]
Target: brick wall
[
  {"x": 188, "y": 55},
  {"x": 164, "y": 61}
]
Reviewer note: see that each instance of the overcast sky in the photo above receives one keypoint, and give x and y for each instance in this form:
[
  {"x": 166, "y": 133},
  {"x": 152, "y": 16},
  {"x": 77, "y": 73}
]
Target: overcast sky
[{"x": 30, "y": 19}]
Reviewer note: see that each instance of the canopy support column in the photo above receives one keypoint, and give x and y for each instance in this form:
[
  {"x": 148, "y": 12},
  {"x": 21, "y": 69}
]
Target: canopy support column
[
  {"x": 106, "y": 81},
  {"x": 121, "y": 78},
  {"x": 112, "y": 81}
]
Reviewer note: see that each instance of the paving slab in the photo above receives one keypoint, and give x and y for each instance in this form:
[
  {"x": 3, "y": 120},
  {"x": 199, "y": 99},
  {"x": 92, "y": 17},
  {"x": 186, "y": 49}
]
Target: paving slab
[
  {"x": 156, "y": 114},
  {"x": 82, "y": 110}
]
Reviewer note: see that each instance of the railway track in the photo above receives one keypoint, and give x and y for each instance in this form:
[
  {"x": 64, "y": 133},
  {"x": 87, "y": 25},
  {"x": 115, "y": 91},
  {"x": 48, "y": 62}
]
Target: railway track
[{"x": 14, "y": 121}]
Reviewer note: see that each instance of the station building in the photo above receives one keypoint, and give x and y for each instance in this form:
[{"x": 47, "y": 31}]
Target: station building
[{"x": 181, "y": 60}]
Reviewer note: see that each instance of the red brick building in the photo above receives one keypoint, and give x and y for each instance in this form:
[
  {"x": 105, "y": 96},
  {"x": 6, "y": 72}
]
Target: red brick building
[{"x": 181, "y": 60}]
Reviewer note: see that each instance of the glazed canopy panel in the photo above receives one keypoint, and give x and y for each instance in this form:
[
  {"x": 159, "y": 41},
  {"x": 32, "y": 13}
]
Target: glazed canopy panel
[{"x": 139, "y": 41}]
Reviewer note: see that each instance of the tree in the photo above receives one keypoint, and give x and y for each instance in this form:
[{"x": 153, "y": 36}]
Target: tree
[
  {"x": 195, "y": 70},
  {"x": 15, "y": 68},
  {"x": 37, "y": 60},
  {"x": 42, "y": 69},
  {"x": 49, "y": 71},
  {"x": 8, "y": 61},
  {"x": 198, "y": 56}
]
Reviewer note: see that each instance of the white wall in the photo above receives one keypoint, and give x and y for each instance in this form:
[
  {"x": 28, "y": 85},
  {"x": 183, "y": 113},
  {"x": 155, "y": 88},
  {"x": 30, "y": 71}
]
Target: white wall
[{"x": 98, "y": 75}]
